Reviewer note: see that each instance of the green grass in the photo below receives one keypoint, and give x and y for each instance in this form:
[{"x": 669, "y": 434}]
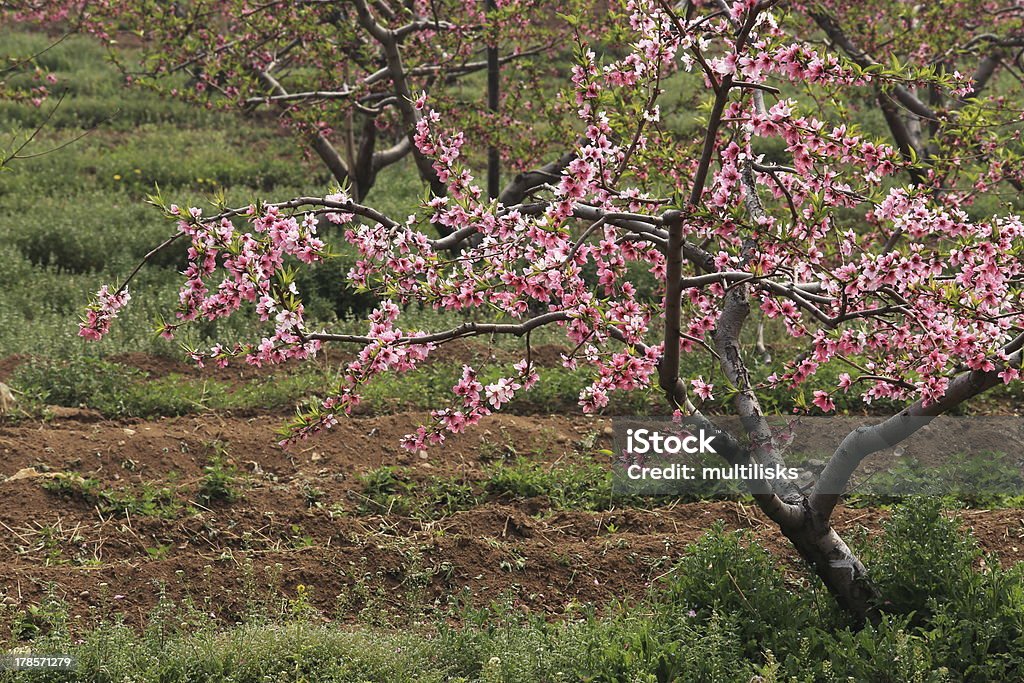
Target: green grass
[
  {"x": 389, "y": 491},
  {"x": 585, "y": 486},
  {"x": 722, "y": 614},
  {"x": 117, "y": 390},
  {"x": 392, "y": 490}
]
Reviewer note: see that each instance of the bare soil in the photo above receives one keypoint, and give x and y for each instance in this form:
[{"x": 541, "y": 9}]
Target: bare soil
[{"x": 350, "y": 558}]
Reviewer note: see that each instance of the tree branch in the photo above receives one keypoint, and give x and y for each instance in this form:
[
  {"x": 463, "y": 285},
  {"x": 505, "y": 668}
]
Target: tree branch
[
  {"x": 863, "y": 441},
  {"x": 469, "y": 329},
  {"x": 835, "y": 33},
  {"x": 515, "y": 192},
  {"x": 321, "y": 145}
]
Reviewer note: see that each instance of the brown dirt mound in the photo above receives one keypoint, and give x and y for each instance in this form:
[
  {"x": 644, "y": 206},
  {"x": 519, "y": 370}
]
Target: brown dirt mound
[{"x": 303, "y": 519}]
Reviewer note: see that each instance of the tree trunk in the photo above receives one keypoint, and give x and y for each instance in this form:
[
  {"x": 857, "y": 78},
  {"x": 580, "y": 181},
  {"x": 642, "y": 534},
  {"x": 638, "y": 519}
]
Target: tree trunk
[{"x": 836, "y": 565}]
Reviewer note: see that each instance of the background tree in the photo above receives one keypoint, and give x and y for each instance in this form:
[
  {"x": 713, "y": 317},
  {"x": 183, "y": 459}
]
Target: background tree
[
  {"x": 22, "y": 80},
  {"x": 872, "y": 256},
  {"x": 341, "y": 74}
]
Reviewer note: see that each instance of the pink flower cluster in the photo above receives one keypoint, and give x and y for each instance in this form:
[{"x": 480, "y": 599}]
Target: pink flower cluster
[
  {"x": 98, "y": 316},
  {"x": 473, "y": 401},
  {"x": 253, "y": 266}
]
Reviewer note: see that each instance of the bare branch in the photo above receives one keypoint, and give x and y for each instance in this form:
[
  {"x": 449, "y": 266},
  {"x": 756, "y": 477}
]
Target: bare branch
[
  {"x": 321, "y": 145},
  {"x": 301, "y": 96},
  {"x": 393, "y": 154},
  {"x": 469, "y": 329}
]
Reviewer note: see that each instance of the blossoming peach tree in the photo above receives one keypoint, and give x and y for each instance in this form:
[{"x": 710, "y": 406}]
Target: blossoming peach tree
[{"x": 773, "y": 208}]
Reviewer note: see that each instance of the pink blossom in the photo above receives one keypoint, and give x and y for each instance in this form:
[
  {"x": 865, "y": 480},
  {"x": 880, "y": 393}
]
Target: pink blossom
[
  {"x": 501, "y": 392},
  {"x": 823, "y": 400},
  {"x": 702, "y": 388},
  {"x": 98, "y": 317}
]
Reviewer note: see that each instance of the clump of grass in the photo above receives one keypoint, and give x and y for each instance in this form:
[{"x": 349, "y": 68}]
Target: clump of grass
[
  {"x": 384, "y": 491},
  {"x": 220, "y": 478},
  {"x": 147, "y": 500},
  {"x": 86, "y": 382},
  {"x": 585, "y": 486},
  {"x": 390, "y": 491}
]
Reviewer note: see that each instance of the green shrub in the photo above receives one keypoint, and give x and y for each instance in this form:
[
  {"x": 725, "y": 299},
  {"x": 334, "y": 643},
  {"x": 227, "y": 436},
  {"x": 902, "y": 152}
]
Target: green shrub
[
  {"x": 726, "y": 572},
  {"x": 968, "y": 609},
  {"x": 889, "y": 652},
  {"x": 923, "y": 558}
]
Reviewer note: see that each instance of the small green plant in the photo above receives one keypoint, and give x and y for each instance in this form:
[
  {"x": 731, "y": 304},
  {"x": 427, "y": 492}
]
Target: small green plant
[
  {"x": 313, "y": 496},
  {"x": 491, "y": 448},
  {"x": 383, "y": 492},
  {"x": 158, "y": 552},
  {"x": 515, "y": 562},
  {"x": 219, "y": 483},
  {"x": 301, "y": 539},
  {"x": 50, "y": 544},
  {"x": 442, "y": 496},
  {"x": 74, "y": 487},
  {"x": 46, "y": 619}
]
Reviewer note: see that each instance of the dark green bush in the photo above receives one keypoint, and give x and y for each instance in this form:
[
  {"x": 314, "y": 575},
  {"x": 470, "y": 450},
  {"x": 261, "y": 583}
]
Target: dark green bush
[
  {"x": 728, "y": 573},
  {"x": 923, "y": 559},
  {"x": 969, "y": 609}
]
